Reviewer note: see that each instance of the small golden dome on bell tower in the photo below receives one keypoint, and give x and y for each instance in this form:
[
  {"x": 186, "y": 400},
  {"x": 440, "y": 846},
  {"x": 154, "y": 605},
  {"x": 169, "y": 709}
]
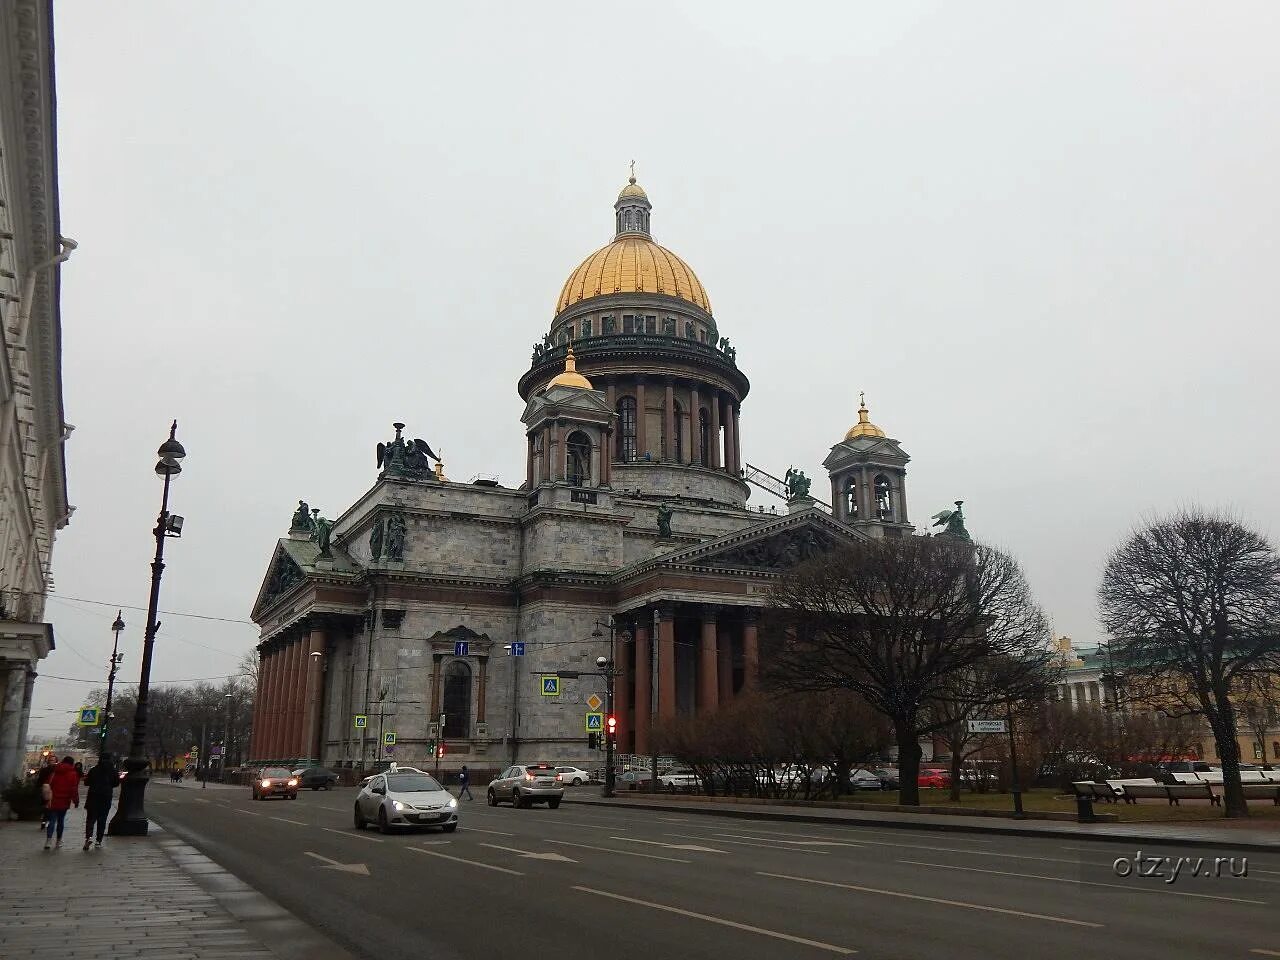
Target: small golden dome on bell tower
[
  {"x": 570, "y": 377},
  {"x": 864, "y": 427}
]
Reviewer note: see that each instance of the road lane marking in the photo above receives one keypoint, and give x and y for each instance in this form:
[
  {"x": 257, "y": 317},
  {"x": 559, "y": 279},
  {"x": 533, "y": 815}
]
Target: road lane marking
[
  {"x": 818, "y": 944},
  {"x": 949, "y": 903},
  {"x": 1264, "y": 953},
  {"x": 359, "y": 869},
  {"x": 353, "y": 836},
  {"x": 748, "y": 843},
  {"x": 625, "y": 853},
  {"x": 694, "y": 848},
  {"x": 500, "y": 833},
  {"x": 287, "y": 820},
  {"x": 911, "y": 846},
  {"x": 201, "y": 800},
  {"x": 532, "y": 854},
  {"x": 852, "y": 835},
  {"x": 1256, "y": 870},
  {"x": 1088, "y": 883},
  {"x": 247, "y": 813},
  {"x": 472, "y": 863},
  {"x": 674, "y": 819}
]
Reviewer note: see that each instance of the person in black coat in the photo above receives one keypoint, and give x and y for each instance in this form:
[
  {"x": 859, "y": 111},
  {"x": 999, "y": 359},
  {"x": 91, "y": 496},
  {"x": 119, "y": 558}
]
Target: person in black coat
[{"x": 101, "y": 781}]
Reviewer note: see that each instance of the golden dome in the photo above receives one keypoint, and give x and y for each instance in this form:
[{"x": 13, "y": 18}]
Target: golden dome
[
  {"x": 632, "y": 190},
  {"x": 571, "y": 377},
  {"x": 864, "y": 427},
  {"x": 633, "y": 264}
]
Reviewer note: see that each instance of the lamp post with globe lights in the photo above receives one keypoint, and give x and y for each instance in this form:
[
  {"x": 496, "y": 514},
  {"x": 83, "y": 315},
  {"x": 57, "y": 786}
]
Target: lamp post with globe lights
[{"x": 131, "y": 816}]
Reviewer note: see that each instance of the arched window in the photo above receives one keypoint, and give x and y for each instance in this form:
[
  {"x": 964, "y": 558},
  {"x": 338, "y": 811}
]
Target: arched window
[
  {"x": 851, "y": 498},
  {"x": 704, "y": 437},
  {"x": 677, "y": 449},
  {"x": 627, "y": 429},
  {"x": 884, "y": 498},
  {"x": 457, "y": 700},
  {"x": 577, "y": 466}
]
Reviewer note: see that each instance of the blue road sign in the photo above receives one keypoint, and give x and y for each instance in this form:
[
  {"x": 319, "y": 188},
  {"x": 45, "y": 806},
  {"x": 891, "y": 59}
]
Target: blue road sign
[
  {"x": 88, "y": 717},
  {"x": 460, "y": 648},
  {"x": 551, "y": 686},
  {"x": 595, "y": 721},
  {"x": 517, "y": 648}
]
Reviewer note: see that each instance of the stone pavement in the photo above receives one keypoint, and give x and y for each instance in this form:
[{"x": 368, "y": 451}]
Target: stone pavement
[
  {"x": 1235, "y": 836},
  {"x": 138, "y": 898}
]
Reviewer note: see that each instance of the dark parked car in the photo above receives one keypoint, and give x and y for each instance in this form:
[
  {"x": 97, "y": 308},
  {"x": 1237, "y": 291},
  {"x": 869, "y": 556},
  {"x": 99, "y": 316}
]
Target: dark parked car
[
  {"x": 315, "y": 778},
  {"x": 274, "y": 782},
  {"x": 634, "y": 780}
]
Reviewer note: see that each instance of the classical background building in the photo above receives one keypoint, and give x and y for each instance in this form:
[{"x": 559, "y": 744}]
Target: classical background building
[
  {"x": 630, "y": 537},
  {"x": 33, "y": 469}
]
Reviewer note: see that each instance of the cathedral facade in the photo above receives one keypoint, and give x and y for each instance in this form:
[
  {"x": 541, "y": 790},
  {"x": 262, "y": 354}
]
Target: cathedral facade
[{"x": 432, "y": 611}]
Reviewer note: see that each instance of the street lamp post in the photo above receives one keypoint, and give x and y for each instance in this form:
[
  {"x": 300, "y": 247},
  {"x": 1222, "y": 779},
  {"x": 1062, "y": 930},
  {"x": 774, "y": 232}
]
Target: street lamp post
[
  {"x": 226, "y": 734},
  {"x": 116, "y": 657},
  {"x": 131, "y": 815}
]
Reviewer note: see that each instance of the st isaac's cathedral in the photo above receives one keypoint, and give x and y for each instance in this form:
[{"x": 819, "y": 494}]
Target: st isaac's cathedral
[{"x": 630, "y": 537}]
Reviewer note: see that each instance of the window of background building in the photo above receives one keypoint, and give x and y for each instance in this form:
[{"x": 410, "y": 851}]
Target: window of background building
[
  {"x": 628, "y": 323},
  {"x": 627, "y": 429},
  {"x": 650, "y": 324},
  {"x": 704, "y": 438},
  {"x": 1275, "y": 749},
  {"x": 676, "y": 452},
  {"x": 578, "y": 459},
  {"x": 669, "y": 326},
  {"x": 457, "y": 700},
  {"x": 606, "y": 325},
  {"x": 586, "y": 327},
  {"x": 690, "y": 331}
]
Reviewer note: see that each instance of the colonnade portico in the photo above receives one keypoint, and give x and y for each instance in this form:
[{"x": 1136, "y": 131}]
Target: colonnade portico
[{"x": 677, "y": 658}]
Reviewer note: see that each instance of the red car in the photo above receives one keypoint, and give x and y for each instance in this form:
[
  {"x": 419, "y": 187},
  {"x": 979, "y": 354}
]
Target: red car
[{"x": 934, "y": 779}]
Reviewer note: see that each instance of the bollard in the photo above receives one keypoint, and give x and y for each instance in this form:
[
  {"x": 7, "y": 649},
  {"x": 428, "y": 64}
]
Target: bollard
[{"x": 1084, "y": 809}]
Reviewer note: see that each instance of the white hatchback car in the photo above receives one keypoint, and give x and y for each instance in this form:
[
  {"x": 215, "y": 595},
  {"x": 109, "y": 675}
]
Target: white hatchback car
[{"x": 403, "y": 798}]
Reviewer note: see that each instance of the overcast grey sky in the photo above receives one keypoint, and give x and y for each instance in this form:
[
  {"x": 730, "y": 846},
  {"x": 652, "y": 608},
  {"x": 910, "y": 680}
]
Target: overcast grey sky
[{"x": 1042, "y": 237}]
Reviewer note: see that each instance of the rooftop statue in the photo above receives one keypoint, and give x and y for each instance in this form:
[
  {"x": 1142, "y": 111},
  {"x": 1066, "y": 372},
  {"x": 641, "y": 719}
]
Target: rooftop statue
[
  {"x": 409, "y": 459},
  {"x": 301, "y": 519},
  {"x": 797, "y": 484},
  {"x": 664, "y": 521},
  {"x": 322, "y": 530},
  {"x": 952, "y": 522}
]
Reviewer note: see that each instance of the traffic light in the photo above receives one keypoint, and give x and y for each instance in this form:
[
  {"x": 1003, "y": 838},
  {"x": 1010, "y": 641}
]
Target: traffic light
[
  {"x": 440, "y": 751},
  {"x": 593, "y": 741},
  {"x": 611, "y": 723}
]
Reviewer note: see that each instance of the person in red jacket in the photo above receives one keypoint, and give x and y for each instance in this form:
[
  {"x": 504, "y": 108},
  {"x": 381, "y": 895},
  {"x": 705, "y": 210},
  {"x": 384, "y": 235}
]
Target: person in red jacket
[{"x": 65, "y": 788}]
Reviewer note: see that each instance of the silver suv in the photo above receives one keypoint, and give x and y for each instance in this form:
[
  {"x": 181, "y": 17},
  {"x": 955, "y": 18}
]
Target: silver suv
[{"x": 526, "y": 784}]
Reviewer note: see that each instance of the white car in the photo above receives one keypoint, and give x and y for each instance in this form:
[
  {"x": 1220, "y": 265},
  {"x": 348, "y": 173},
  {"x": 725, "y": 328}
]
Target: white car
[
  {"x": 679, "y": 778},
  {"x": 405, "y": 798},
  {"x": 574, "y": 776}
]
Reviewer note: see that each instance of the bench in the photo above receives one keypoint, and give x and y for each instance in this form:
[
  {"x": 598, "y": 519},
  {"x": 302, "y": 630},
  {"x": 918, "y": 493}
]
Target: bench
[
  {"x": 1093, "y": 791},
  {"x": 1262, "y": 791},
  {"x": 1173, "y": 792}
]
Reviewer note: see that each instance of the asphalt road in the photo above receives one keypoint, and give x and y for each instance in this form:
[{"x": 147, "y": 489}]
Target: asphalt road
[{"x": 586, "y": 881}]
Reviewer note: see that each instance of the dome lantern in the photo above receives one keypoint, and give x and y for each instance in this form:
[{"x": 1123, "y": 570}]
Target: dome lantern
[{"x": 631, "y": 210}]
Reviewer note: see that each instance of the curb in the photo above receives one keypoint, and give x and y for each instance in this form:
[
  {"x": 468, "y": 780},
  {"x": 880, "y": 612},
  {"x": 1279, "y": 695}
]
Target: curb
[
  {"x": 957, "y": 827},
  {"x": 274, "y": 927}
]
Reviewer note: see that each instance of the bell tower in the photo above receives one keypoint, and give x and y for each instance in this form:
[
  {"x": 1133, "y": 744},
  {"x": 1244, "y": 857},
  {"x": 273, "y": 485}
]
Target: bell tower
[{"x": 868, "y": 471}]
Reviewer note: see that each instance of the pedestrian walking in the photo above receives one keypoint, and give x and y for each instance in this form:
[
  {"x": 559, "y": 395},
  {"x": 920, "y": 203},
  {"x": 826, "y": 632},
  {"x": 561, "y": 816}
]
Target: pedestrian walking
[
  {"x": 463, "y": 779},
  {"x": 101, "y": 781},
  {"x": 42, "y": 779},
  {"x": 64, "y": 790}
]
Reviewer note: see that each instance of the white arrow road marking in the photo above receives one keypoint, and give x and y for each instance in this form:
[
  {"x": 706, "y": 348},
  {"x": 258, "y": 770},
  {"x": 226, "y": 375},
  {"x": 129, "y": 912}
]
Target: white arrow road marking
[
  {"x": 357, "y": 868},
  {"x": 530, "y": 854},
  {"x": 625, "y": 853},
  {"x": 719, "y": 920},
  {"x": 694, "y": 848},
  {"x": 748, "y": 843}
]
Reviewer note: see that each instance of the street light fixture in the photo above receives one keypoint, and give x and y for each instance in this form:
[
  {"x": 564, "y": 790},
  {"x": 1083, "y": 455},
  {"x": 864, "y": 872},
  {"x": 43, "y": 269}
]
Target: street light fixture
[
  {"x": 131, "y": 815},
  {"x": 226, "y": 733},
  {"x": 116, "y": 657}
]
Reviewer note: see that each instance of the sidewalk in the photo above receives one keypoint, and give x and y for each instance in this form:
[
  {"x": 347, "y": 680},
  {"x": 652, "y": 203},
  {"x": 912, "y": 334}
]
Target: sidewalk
[
  {"x": 1221, "y": 837},
  {"x": 138, "y": 898}
]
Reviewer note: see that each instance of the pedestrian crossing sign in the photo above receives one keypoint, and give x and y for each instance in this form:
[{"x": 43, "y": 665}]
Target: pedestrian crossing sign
[
  {"x": 362, "y": 721},
  {"x": 88, "y": 717},
  {"x": 595, "y": 722},
  {"x": 551, "y": 686},
  {"x": 388, "y": 739}
]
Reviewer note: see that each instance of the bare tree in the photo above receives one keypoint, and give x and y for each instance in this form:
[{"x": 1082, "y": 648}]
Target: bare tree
[
  {"x": 896, "y": 621},
  {"x": 1193, "y": 603}
]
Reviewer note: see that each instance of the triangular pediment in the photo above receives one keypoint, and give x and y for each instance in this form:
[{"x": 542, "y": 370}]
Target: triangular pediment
[
  {"x": 769, "y": 547},
  {"x": 590, "y": 405},
  {"x": 871, "y": 450},
  {"x": 283, "y": 574}
]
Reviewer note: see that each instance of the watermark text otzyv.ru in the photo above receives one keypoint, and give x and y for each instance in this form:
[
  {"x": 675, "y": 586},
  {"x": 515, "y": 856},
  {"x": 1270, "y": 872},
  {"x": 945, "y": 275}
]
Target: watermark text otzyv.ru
[{"x": 1170, "y": 869}]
